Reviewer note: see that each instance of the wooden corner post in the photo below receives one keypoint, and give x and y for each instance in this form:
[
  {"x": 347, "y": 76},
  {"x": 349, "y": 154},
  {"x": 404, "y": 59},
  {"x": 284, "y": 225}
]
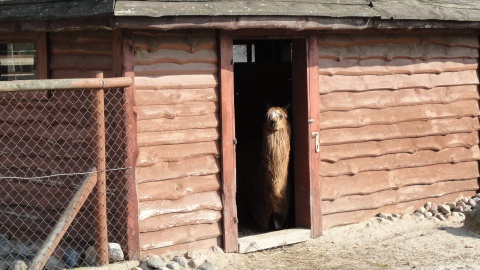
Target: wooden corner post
[
  {"x": 100, "y": 191},
  {"x": 230, "y": 221}
]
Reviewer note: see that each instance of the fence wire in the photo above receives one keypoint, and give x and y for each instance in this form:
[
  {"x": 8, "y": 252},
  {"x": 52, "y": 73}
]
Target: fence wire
[{"x": 48, "y": 144}]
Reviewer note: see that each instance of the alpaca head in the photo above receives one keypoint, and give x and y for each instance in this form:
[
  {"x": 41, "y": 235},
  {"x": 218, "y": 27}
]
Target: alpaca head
[{"x": 276, "y": 118}]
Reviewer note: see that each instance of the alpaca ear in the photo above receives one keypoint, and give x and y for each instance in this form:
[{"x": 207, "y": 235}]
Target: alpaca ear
[{"x": 287, "y": 106}]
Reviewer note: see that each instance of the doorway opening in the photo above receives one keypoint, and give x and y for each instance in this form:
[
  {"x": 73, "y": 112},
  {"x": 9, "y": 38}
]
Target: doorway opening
[{"x": 268, "y": 73}]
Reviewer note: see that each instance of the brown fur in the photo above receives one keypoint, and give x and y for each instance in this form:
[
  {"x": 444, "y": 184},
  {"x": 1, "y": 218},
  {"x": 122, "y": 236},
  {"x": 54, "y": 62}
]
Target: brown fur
[{"x": 272, "y": 187}]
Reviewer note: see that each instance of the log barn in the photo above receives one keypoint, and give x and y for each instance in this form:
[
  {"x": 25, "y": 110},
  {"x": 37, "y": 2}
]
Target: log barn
[{"x": 384, "y": 108}]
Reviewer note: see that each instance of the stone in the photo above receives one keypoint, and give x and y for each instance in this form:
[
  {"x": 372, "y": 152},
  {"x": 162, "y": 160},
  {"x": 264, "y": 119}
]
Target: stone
[
  {"x": 136, "y": 268},
  {"x": 428, "y": 214},
  {"x": 434, "y": 212},
  {"x": 19, "y": 265},
  {"x": 422, "y": 210},
  {"x": 155, "y": 261},
  {"x": 90, "y": 256},
  {"x": 441, "y": 217},
  {"x": 115, "y": 252},
  {"x": 406, "y": 217},
  {"x": 451, "y": 205},
  {"x": 173, "y": 266},
  {"x": 465, "y": 199},
  {"x": 180, "y": 260},
  {"x": 435, "y": 219},
  {"x": 207, "y": 265},
  {"x": 472, "y": 203},
  {"x": 194, "y": 263},
  {"x": 428, "y": 206},
  {"x": 72, "y": 258},
  {"x": 381, "y": 215},
  {"x": 192, "y": 254},
  {"x": 444, "y": 209},
  {"x": 434, "y": 206},
  {"x": 457, "y": 209},
  {"x": 419, "y": 215},
  {"x": 396, "y": 215},
  {"x": 391, "y": 218},
  {"x": 472, "y": 221},
  {"x": 144, "y": 266},
  {"x": 217, "y": 249}
]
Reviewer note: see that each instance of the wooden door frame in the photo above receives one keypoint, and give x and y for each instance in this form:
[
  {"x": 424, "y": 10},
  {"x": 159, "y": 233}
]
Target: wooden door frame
[{"x": 310, "y": 190}]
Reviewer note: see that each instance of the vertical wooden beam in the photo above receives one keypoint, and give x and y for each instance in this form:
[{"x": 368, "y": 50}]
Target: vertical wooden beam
[
  {"x": 100, "y": 199},
  {"x": 42, "y": 56},
  {"x": 60, "y": 228},
  {"x": 133, "y": 231},
  {"x": 230, "y": 220},
  {"x": 314, "y": 114}
]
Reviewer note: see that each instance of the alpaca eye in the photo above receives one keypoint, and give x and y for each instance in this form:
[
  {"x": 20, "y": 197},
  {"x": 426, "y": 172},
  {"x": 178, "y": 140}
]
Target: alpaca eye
[{"x": 281, "y": 116}]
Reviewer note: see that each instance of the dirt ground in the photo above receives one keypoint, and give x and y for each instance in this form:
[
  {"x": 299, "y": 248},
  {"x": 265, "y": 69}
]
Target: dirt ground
[{"x": 374, "y": 244}]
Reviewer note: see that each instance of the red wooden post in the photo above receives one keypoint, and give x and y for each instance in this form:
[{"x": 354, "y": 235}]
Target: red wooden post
[
  {"x": 100, "y": 200},
  {"x": 230, "y": 222}
]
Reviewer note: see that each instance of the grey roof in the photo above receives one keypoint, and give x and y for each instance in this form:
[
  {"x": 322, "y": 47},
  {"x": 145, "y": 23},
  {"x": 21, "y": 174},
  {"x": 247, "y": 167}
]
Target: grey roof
[
  {"x": 450, "y": 10},
  {"x": 54, "y": 9}
]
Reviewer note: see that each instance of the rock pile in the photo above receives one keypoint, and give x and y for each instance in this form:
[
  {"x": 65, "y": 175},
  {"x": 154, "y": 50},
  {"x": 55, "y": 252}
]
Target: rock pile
[
  {"x": 190, "y": 260},
  {"x": 453, "y": 211}
]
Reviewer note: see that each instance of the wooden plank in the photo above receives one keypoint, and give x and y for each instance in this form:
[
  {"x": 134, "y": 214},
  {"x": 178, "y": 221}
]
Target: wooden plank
[
  {"x": 229, "y": 189},
  {"x": 48, "y": 247},
  {"x": 356, "y": 67},
  {"x": 346, "y": 40},
  {"x": 180, "y": 57},
  {"x": 391, "y": 197},
  {"x": 272, "y": 239},
  {"x": 210, "y": 120},
  {"x": 334, "y": 153},
  {"x": 46, "y": 132},
  {"x": 345, "y": 101},
  {"x": 375, "y": 181},
  {"x": 171, "y": 220},
  {"x": 94, "y": 62},
  {"x": 339, "y": 219},
  {"x": 175, "y": 189},
  {"x": 176, "y": 110},
  {"x": 197, "y": 201},
  {"x": 19, "y": 147},
  {"x": 85, "y": 36},
  {"x": 397, "y": 81},
  {"x": 168, "y": 69},
  {"x": 179, "y": 235},
  {"x": 172, "y": 82},
  {"x": 400, "y": 130},
  {"x": 398, "y": 161},
  {"x": 16, "y": 115},
  {"x": 173, "y": 97},
  {"x": 393, "y": 115},
  {"x": 186, "y": 43},
  {"x": 72, "y": 73},
  {"x": 391, "y": 51},
  {"x": 177, "y": 137},
  {"x": 87, "y": 49},
  {"x": 197, "y": 166},
  {"x": 54, "y": 165},
  {"x": 182, "y": 248},
  {"x": 151, "y": 155}
]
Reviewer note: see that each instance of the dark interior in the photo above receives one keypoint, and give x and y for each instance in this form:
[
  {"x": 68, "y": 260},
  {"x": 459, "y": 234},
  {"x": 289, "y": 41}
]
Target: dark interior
[{"x": 262, "y": 77}]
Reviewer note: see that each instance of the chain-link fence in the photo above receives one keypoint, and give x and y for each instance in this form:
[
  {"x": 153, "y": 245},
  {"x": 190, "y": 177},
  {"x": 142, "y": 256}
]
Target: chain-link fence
[{"x": 50, "y": 140}]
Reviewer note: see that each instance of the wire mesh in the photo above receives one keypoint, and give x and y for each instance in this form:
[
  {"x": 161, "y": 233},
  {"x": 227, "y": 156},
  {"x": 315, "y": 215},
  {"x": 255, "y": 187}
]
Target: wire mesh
[{"x": 49, "y": 141}]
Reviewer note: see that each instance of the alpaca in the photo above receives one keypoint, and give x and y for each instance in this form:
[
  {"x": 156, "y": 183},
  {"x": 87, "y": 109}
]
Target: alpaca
[{"x": 272, "y": 188}]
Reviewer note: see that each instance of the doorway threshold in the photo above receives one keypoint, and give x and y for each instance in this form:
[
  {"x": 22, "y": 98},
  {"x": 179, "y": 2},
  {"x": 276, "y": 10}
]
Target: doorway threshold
[{"x": 273, "y": 239}]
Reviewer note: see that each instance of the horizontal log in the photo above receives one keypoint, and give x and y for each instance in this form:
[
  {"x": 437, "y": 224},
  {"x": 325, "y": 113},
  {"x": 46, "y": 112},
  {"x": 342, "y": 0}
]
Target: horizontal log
[
  {"x": 64, "y": 84},
  {"x": 47, "y": 164},
  {"x": 55, "y": 133},
  {"x": 25, "y": 212},
  {"x": 18, "y": 115},
  {"x": 394, "y": 115},
  {"x": 179, "y": 219},
  {"x": 176, "y": 110},
  {"x": 66, "y": 74},
  {"x": 37, "y": 176},
  {"x": 334, "y": 153},
  {"x": 339, "y": 219},
  {"x": 179, "y": 235},
  {"x": 182, "y": 248},
  {"x": 180, "y": 57},
  {"x": 345, "y": 101},
  {"x": 177, "y": 137},
  {"x": 391, "y": 197},
  {"x": 176, "y": 82},
  {"x": 75, "y": 37},
  {"x": 346, "y": 40},
  {"x": 210, "y": 120},
  {"x": 94, "y": 62},
  {"x": 186, "y": 43},
  {"x": 398, "y": 161},
  {"x": 164, "y": 69},
  {"x": 391, "y": 51},
  {"x": 340, "y": 83},
  {"x": 194, "y": 202},
  {"x": 375, "y": 181},
  {"x": 356, "y": 67},
  {"x": 86, "y": 49},
  {"x": 151, "y": 155},
  {"x": 175, "y": 189},
  {"x": 400, "y": 130},
  {"x": 174, "y": 97},
  {"x": 197, "y": 166}
]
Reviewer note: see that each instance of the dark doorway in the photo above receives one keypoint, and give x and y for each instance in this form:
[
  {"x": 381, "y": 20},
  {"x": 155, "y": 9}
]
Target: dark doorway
[{"x": 262, "y": 78}]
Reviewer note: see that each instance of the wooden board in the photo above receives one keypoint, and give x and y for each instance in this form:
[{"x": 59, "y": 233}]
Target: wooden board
[
  {"x": 176, "y": 82},
  {"x": 210, "y": 120},
  {"x": 176, "y": 110},
  {"x": 182, "y": 248},
  {"x": 180, "y": 57},
  {"x": 162, "y": 69},
  {"x": 178, "y": 137},
  {"x": 151, "y": 155},
  {"x": 171, "y": 220},
  {"x": 272, "y": 239},
  {"x": 149, "y": 97},
  {"x": 188, "y": 43}
]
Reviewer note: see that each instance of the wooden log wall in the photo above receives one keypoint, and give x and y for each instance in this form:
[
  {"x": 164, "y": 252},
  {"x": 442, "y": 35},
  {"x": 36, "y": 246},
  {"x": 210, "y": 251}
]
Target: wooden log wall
[
  {"x": 178, "y": 132},
  {"x": 399, "y": 122}
]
